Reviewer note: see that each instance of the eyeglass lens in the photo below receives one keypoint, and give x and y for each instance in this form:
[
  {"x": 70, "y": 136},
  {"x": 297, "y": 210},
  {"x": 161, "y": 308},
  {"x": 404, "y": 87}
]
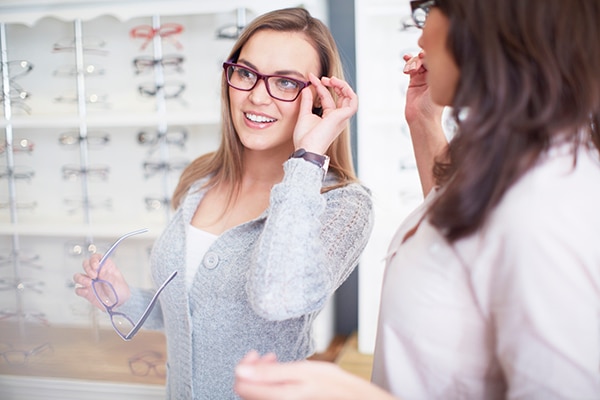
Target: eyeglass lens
[{"x": 420, "y": 10}]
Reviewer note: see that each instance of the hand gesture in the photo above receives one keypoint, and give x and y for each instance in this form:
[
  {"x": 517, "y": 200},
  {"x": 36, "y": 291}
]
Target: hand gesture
[
  {"x": 419, "y": 105},
  {"x": 265, "y": 379},
  {"x": 109, "y": 272},
  {"x": 316, "y": 133}
]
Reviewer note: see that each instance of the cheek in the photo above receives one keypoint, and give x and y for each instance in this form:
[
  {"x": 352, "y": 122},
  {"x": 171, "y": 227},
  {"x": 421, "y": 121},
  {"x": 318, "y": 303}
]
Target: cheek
[{"x": 443, "y": 80}]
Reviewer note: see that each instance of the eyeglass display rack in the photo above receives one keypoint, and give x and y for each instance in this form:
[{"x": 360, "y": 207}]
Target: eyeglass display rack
[
  {"x": 82, "y": 104},
  {"x": 384, "y": 32}
]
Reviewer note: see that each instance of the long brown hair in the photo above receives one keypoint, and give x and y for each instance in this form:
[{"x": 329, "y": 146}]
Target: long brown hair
[
  {"x": 530, "y": 77},
  {"x": 225, "y": 164}
]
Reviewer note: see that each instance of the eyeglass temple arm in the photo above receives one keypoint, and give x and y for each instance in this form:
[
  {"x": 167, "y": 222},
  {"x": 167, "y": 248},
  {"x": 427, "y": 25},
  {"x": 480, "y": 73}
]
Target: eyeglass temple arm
[
  {"x": 115, "y": 244},
  {"x": 149, "y": 308}
]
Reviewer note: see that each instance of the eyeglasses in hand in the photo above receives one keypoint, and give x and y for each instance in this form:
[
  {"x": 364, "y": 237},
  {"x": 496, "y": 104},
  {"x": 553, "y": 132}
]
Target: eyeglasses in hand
[{"x": 107, "y": 296}]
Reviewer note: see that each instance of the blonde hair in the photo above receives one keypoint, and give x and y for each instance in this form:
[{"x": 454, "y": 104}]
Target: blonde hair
[{"x": 225, "y": 164}]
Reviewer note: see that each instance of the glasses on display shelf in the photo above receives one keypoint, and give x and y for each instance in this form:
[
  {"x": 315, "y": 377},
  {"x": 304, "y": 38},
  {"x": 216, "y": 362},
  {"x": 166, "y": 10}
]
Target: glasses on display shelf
[
  {"x": 83, "y": 248},
  {"x": 279, "y": 87},
  {"x": 73, "y": 172},
  {"x": 14, "y": 356},
  {"x": 170, "y": 90},
  {"x": 92, "y": 99},
  {"x": 148, "y": 361},
  {"x": 18, "y": 106},
  {"x": 233, "y": 31},
  {"x": 107, "y": 295},
  {"x": 166, "y": 31},
  {"x": 155, "y": 203},
  {"x": 77, "y": 203},
  {"x": 93, "y": 138},
  {"x": 174, "y": 136},
  {"x": 27, "y": 316},
  {"x": 420, "y": 10},
  {"x": 18, "y": 68},
  {"x": 19, "y": 205},
  {"x": 21, "y": 284},
  {"x": 92, "y": 45},
  {"x": 71, "y": 70},
  {"x": 16, "y": 93},
  {"x": 18, "y": 146},
  {"x": 22, "y": 257},
  {"x": 170, "y": 63},
  {"x": 18, "y": 172},
  {"x": 153, "y": 167}
]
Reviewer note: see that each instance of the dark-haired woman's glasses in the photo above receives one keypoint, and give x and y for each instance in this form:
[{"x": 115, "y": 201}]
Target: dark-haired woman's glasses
[
  {"x": 420, "y": 10},
  {"x": 279, "y": 87}
]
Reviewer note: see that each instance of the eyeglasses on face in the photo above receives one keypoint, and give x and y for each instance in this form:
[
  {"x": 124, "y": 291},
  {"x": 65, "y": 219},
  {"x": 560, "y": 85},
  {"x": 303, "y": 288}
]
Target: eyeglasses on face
[
  {"x": 279, "y": 87},
  {"x": 107, "y": 295},
  {"x": 420, "y": 10}
]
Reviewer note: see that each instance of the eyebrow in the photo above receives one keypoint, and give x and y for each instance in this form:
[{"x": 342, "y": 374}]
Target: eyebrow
[{"x": 281, "y": 72}]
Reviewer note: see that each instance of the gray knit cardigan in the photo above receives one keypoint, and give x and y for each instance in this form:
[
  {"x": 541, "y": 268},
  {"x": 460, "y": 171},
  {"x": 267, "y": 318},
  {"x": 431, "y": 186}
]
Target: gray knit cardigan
[{"x": 259, "y": 286}]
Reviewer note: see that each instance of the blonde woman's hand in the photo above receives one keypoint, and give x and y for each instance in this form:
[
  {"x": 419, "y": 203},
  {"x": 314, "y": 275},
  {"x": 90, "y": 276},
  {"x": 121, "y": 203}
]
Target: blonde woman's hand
[
  {"x": 316, "y": 133},
  {"x": 109, "y": 273},
  {"x": 263, "y": 378}
]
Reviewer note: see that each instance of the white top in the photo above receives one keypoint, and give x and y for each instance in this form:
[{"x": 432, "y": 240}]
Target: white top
[
  {"x": 198, "y": 243},
  {"x": 512, "y": 311}
]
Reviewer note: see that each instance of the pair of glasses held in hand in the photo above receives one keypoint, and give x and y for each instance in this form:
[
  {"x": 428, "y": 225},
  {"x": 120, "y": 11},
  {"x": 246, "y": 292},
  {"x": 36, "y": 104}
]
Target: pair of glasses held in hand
[{"x": 107, "y": 295}]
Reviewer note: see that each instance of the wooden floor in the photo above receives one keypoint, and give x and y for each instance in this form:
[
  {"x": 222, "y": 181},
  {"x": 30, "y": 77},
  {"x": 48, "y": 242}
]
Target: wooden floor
[
  {"x": 72, "y": 350},
  {"x": 343, "y": 350}
]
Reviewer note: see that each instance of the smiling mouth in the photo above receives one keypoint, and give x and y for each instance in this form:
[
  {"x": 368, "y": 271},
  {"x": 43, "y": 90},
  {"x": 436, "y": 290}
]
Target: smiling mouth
[{"x": 259, "y": 118}]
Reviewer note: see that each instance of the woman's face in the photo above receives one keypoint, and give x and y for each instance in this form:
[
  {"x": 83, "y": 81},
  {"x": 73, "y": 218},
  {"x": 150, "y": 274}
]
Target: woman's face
[
  {"x": 443, "y": 73},
  {"x": 262, "y": 122}
]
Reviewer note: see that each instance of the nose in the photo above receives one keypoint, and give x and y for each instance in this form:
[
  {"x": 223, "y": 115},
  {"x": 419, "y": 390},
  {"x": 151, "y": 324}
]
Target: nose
[{"x": 259, "y": 94}]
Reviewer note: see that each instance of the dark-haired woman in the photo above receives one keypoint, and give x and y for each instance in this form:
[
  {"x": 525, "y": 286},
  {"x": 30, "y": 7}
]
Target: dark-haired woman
[{"x": 492, "y": 286}]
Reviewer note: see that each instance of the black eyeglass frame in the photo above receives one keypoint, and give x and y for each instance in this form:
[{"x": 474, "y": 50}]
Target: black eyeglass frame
[
  {"x": 421, "y": 6},
  {"x": 262, "y": 77}
]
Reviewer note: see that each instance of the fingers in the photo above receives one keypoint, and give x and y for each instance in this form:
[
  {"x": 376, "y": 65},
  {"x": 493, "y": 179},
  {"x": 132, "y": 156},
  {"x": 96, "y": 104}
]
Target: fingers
[{"x": 414, "y": 63}]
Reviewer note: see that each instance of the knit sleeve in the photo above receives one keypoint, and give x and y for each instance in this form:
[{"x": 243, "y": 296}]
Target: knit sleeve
[
  {"x": 310, "y": 244},
  {"x": 136, "y": 305}
]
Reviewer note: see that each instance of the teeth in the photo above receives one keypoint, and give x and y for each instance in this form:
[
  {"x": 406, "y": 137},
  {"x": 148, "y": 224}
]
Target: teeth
[{"x": 259, "y": 118}]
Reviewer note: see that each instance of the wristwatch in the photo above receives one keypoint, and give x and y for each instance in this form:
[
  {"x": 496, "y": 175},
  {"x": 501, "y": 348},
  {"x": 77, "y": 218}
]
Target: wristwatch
[{"x": 319, "y": 160}]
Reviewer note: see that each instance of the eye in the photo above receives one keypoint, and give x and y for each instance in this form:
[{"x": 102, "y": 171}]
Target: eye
[
  {"x": 245, "y": 74},
  {"x": 287, "y": 84}
]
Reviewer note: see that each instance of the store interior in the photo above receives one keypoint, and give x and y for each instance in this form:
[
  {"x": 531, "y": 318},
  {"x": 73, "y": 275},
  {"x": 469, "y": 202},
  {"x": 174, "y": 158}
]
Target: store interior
[{"x": 95, "y": 134}]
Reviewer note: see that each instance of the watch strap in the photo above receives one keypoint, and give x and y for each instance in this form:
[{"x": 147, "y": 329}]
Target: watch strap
[{"x": 322, "y": 161}]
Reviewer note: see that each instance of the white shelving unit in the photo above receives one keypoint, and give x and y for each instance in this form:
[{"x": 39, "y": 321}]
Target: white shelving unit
[
  {"x": 99, "y": 34},
  {"x": 386, "y": 161}
]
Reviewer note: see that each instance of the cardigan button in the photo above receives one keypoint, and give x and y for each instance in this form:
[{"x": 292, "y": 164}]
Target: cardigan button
[{"x": 211, "y": 260}]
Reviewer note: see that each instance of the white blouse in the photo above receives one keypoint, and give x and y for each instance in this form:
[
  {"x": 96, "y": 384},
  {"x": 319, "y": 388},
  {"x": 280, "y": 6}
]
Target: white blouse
[
  {"x": 198, "y": 243},
  {"x": 510, "y": 312}
]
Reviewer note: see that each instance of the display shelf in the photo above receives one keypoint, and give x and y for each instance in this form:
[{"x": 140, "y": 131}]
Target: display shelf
[
  {"x": 381, "y": 41},
  {"x": 59, "y": 41}
]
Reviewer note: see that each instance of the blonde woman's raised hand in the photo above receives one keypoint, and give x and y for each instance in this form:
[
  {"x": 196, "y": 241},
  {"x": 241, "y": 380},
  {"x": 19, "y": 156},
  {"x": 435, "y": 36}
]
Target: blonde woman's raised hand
[
  {"x": 109, "y": 273},
  {"x": 316, "y": 133}
]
